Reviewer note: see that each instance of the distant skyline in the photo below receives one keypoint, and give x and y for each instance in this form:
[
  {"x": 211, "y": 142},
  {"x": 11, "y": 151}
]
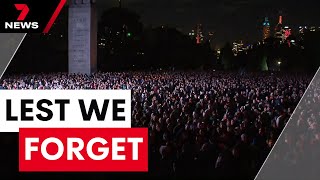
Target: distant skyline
[{"x": 229, "y": 19}]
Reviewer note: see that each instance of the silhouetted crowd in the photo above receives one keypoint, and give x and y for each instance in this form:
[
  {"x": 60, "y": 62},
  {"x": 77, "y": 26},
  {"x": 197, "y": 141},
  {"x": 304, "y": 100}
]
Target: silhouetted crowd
[
  {"x": 298, "y": 151},
  {"x": 212, "y": 124}
]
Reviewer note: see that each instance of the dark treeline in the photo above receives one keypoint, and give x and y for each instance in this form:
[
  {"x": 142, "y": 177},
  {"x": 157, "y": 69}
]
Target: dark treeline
[
  {"x": 125, "y": 43},
  {"x": 270, "y": 55}
]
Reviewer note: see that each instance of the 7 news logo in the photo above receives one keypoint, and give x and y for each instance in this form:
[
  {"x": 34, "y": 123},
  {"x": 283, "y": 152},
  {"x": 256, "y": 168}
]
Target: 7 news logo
[{"x": 20, "y": 23}]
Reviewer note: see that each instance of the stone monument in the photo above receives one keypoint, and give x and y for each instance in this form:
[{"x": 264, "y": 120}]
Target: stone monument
[{"x": 82, "y": 36}]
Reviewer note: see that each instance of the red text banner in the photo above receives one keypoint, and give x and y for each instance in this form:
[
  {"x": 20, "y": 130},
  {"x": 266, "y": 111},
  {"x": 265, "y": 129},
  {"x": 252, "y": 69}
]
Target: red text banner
[{"x": 83, "y": 150}]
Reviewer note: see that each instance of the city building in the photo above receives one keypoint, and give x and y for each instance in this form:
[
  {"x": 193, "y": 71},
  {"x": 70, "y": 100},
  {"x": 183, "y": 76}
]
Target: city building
[
  {"x": 101, "y": 42},
  {"x": 266, "y": 29},
  {"x": 304, "y": 29},
  {"x": 218, "y": 54},
  {"x": 279, "y": 32},
  {"x": 192, "y": 34},
  {"x": 210, "y": 36},
  {"x": 287, "y": 32},
  {"x": 312, "y": 28},
  {"x": 211, "y": 40},
  {"x": 238, "y": 47},
  {"x": 199, "y": 34}
]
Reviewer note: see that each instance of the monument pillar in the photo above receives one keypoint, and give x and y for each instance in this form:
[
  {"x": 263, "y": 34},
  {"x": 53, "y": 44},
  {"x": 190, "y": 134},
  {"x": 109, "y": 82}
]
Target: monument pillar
[{"x": 82, "y": 34}]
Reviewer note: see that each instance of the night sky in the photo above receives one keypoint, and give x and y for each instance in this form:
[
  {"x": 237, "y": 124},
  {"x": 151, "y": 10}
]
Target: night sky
[{"x": 229, "y": 19}]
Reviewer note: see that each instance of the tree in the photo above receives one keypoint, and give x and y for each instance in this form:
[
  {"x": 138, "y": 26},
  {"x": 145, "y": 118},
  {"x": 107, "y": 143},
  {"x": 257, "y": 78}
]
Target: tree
[
  {"x": 311, "y": 51},
  {"x": 119, "y": 34},
  {"x": 166, "y": 47},
  {"x": 227, "y": 56}
]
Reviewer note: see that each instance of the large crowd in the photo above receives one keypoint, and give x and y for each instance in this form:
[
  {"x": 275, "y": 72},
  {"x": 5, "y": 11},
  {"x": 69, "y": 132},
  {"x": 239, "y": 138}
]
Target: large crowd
[
  {"x": 298, "y": 151},
  {"x": 213, "y": 124}
]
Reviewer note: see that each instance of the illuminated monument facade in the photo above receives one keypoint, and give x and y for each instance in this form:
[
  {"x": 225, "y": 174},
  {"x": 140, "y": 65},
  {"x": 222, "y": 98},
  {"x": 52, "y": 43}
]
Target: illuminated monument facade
[
  {"x": 279, "y": 32},
  {"x": 199, "y": 37},
  {"x": 82, "y": 36},
  {"x": 266, "y": 29}
]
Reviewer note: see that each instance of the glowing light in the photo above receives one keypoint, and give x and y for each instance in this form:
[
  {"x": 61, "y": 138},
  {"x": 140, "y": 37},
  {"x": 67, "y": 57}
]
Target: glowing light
[
  {"x": 129, "y": 34},
  {"x": 198, "y": 40},
  {"x": 287, "y": 33},
  {"x": 279, "y": 62},
  {"x": 280, "y": 19}
]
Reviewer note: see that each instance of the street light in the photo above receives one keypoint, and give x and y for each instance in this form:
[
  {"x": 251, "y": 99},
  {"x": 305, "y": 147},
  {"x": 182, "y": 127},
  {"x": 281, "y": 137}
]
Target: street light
[{"x": 279, "y": 64}]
